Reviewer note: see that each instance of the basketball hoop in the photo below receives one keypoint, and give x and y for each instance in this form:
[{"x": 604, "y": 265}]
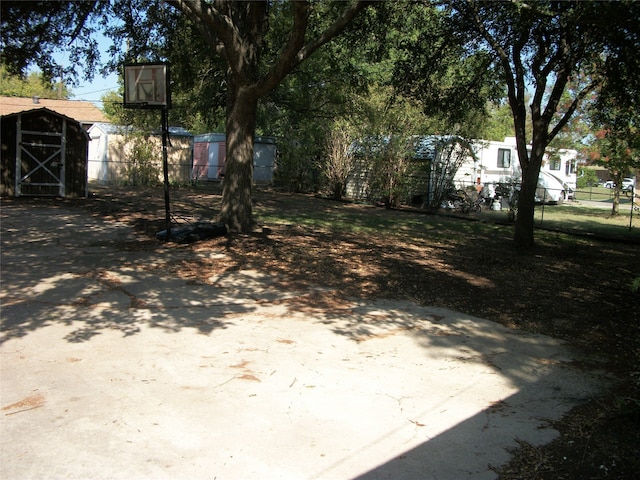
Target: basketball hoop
[{"x": 146, "y": 85}]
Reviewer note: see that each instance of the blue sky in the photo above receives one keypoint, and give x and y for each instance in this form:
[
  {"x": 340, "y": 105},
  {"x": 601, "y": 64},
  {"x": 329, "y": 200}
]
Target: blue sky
[
  {"x": 92, "y": 91},
  {"x": 89, "y": 91}
]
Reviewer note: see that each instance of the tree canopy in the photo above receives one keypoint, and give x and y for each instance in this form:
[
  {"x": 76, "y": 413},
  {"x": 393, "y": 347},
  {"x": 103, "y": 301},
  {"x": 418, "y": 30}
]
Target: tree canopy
[
  {"x": 33, "y": 84},
  {"x": 615, "y": 119},
  {"x": 30, "y": 33}
]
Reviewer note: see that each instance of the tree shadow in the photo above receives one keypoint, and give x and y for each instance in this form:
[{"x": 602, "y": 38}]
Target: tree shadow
[{"x": 61, "y": 266}]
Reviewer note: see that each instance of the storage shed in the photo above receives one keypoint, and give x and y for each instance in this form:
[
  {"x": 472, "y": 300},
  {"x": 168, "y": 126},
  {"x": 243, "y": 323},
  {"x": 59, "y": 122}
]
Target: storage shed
[
  {"x": 103, "y": 164},
  {"x": 210, "y": 153},
  {"x": 112, "y": 158},
  {"x": 44, "y": 153},
  {"x": 424, "y": 174}
]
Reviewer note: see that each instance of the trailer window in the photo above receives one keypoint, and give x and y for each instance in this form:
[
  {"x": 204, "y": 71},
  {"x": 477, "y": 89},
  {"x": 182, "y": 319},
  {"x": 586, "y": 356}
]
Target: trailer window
[
  {"x": 555, "y": 164},
  {"x": 504, "y": 158},
  {"x": 570, "y": 168}
]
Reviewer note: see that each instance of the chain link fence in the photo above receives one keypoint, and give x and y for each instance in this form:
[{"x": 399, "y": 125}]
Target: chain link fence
[{"x": 587, "y": 211}]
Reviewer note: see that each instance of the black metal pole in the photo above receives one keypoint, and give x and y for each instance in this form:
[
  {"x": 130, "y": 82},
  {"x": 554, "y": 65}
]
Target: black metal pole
[
  {"x": 165, "y": 170},
  {"x": 633, "y": 198}
]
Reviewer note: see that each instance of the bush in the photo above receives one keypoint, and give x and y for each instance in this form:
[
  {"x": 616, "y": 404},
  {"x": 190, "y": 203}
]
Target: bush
[
  {"x": 339, "y": 161},
  {"x": 588, "y": 178},
  {"x": 141, "y": 168},
  {"x": 389, "y": 168},
  {"x": 296, "y": 168}
]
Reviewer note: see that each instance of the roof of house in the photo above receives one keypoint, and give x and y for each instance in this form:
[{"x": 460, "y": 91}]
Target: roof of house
[{"x": 83, "y": 112}]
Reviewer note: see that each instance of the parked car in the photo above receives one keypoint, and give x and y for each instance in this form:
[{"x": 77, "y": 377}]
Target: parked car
[{"x": 628, "y": 183}]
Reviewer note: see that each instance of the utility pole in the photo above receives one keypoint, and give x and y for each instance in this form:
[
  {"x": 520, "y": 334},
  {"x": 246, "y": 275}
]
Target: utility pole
[{"x": 60, "y": 86}]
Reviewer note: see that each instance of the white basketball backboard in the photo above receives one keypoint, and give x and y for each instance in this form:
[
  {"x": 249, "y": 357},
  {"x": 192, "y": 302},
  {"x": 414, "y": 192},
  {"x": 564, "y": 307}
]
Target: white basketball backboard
[{"x": 146, "y": 85}]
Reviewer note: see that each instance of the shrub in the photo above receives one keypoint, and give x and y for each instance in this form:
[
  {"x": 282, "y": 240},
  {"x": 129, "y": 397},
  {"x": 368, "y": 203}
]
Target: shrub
[
  {"x": 339, "y": 161},
  {"x": 141, "y": 169}
]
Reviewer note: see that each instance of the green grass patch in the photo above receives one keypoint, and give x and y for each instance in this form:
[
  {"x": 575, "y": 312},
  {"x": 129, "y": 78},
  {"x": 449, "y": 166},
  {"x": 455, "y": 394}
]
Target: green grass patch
[
  {"x": 369, "y": 220},
  {"x": 601, "y": 195},
  {"x": 329, "y": 216},
  {"x": 589, "y": 220}
]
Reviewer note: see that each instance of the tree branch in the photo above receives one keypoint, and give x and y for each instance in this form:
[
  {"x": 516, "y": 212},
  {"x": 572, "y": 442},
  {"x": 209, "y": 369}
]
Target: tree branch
[
  {"x": 85, "y": 11},
  {"x": 573, "y": 107},
  {"x": 296, "y": 52},
  {"x": 514, "y": 77},
  {"x": 203, "y": 15}
]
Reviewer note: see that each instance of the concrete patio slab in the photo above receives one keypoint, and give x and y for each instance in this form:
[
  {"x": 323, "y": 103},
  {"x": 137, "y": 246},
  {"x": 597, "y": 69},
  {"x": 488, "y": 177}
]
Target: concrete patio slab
[{"x": 112, "y": 369}]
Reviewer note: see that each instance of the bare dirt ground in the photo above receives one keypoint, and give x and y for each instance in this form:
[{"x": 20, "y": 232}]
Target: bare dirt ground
[{"x": 571, "y": 288}]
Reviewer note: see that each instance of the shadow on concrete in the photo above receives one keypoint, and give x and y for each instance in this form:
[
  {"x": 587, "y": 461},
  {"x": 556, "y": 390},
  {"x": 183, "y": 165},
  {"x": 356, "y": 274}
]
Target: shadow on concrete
[
  {"x": 60, "y": 266},
  {"x": 522, "y": 383}
]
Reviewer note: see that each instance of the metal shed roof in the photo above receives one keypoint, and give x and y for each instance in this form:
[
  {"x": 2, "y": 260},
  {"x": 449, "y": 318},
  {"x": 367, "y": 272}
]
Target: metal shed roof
[{"x": 221, "y": 137}]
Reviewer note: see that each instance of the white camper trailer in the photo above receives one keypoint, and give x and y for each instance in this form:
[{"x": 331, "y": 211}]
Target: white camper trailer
[
  {"x": 550, "y": 189},
  {"x": 497, "y": 163}
]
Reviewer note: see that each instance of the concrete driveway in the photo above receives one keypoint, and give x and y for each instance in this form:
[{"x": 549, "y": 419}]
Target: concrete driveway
[{"x": 112, "y": 369}]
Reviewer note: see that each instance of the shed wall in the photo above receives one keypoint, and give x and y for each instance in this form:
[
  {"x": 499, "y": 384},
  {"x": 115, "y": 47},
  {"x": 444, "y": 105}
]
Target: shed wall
[
  {"x": 112, "y": 161},
  {"x": 44, "y": 127},
  {"x": 209, "y": 157}
]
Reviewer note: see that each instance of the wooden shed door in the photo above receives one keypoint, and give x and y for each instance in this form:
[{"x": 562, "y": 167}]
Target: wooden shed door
[
  {"x": 200, "y": 159},
  {"x": 40, "y": 162},
  {"x": 222, "y": 160}
]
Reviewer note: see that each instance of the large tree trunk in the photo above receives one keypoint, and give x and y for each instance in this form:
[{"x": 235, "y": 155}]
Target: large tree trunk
[
  {"x": 236, "y": 211},
  {"x": 524, "y": 237},
  {"x": 237, "y": 30},
  {"x": 615, "y": 206},
  {"x": 617, "y": 177}
]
